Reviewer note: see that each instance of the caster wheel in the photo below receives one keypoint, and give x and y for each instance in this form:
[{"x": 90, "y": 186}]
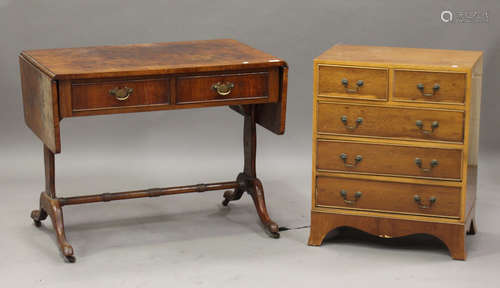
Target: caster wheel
[
  {"x": 227, "y": 197},
  {"x": 37, "y": 223},
  {"x": 70, "y": 259},
  {"x": 273, "y": 230},
  {"x": 274, "y": 235}
]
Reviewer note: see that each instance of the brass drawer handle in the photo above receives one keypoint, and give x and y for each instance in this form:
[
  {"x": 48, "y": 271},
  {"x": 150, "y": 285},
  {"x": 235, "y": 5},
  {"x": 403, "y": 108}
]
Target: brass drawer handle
[
  {"x": 420, "y": 125},
  {"x": 359, "y": 83},
  {"x": 359, "y": 120},
  {"x": 418, "y": 200},
  {"x": 223, "y": 89},
  {"x": 432, "y": 164},
  {"x": 435, "y": 88},
  {"x": 357, "y": 159},
  {"x": 357, "y": 195},
  {"x": 121, "y": 93}
]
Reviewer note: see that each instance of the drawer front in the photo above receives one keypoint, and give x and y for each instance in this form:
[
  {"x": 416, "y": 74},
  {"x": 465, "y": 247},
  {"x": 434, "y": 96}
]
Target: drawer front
[
  {"x": 429, "y": 86},
  {"x": 388, "y": 196},
  {"x": 351, "y": 82},
  {"x": 226, "y": 87},
  {"x": 389, "y": 159},
  {"x": 116, "y": 94},
  {"x": 388, "y": 122}
]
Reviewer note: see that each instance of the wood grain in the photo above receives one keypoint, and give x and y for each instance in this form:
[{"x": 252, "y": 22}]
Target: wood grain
[
  {"x": 389, "y": 197},
  {"x": 452, "y": 235},
  {"x": 374, "y": 82},
  {"x": 59, "y": 83},
  {"x": 96, "y": 95},
  {"x": 390, "y": 122},
  {"x": 40, "y": 103},
  {"x": 198, "y": 88},
  {"x": 150, "y": 59},
  {"x": 451, "y": 86},
  {"x": 389, "y": 159},
  {"x": 396, "y": 57},
  {"x": 272, "y": 116}
]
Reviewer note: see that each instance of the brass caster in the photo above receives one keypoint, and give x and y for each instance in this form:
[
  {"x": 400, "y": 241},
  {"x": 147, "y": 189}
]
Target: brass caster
[
  {"x": 38, "y": 216},
  {"x": 274, "y": 235},
  {"x": 228, "y": 196},
  {"x": 272, "y": 230},
  {"x": 67, "y": 252},
  {"x": 70, "y": 259}
]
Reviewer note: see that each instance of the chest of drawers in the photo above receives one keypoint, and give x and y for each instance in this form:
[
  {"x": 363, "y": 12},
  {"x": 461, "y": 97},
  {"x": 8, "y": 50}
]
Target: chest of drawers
[{"x": 395, "y": 142}]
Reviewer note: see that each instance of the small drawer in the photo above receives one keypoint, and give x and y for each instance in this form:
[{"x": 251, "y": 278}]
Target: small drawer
[
  {"x": 368, "y": 158},
  {"x": 257, "y": 86},
  {"x": 403, "y": 123},
  {"x": 389, "y": 197},
  {"x": 421, "y": 86},
  {"x": 117, "y": 94},
  {"x": 352, "y": 82}
]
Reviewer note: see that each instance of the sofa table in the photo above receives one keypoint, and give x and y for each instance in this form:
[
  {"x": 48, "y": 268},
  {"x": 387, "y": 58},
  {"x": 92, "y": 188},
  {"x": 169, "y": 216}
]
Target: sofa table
[{"x": 60, "y": 83}]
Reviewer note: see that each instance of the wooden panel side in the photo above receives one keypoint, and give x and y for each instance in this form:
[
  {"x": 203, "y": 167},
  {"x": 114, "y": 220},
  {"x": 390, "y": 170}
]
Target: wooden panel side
[
  {"x": 475, "y": 111},
  {"x": 272, "y": 116},
  {"x": 314, "y": 133},
  {"x": 473, "y": 139},
  {"x": 40, "y": 101}
]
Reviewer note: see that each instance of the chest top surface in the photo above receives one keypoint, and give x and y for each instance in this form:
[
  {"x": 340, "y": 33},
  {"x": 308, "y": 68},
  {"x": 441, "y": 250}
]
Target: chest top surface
[
  {"x": 397, "y": 56},
  {"x": 149, "y": 59}
]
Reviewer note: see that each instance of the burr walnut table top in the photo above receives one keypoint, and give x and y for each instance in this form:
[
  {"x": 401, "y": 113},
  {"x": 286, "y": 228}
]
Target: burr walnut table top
[{"x": 149, "y": 59}]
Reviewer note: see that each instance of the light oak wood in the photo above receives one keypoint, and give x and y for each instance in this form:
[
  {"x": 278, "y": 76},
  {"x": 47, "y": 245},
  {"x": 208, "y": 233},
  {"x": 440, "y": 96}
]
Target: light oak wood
[
  {"x": 388, "y": 140},
  {"x": 391, "y": 197},
  {"x": 451, "y": 86},
  {"x": 451, "y": 234},
  {"x": 374, "y": 82},
  {"x": 475, "y": 111},
  {"x": 388, "y": 159},
  {"x": 400, "y": 57},
  {"x": 390, "y": 122}
]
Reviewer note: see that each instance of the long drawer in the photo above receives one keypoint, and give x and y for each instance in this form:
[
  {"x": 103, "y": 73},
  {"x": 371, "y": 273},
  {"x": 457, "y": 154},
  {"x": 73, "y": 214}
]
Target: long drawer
[
  {"x": 388, "y": 196},
  {"x": 384, "y": 159},
  {"x": 390, "y": 122}
]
